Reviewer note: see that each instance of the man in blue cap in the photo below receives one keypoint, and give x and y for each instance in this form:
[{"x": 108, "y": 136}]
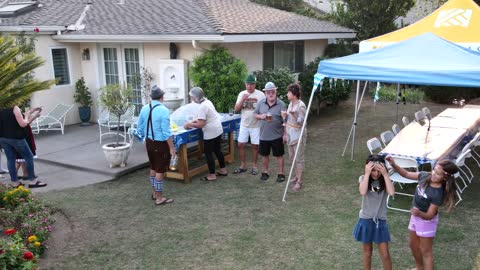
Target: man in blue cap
[{"x": 249, "y": 125}]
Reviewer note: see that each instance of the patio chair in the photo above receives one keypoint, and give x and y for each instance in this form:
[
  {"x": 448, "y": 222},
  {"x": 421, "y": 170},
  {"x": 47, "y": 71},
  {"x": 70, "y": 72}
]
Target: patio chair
[
  {"x": 108, "y": 125},
  {"x": 405, "y": 121},
  {"x": 395, "y": 129},
  {"x": 409, "y": 164},
  {"x": 420, "y": 116},
  {"x": 374, "y": 145},
  {"x": 53, "y": 120},
  {"x": 460, "y": 162},
  {"x": 386, "y": 137},
  {"x": 2, "y": 170}
]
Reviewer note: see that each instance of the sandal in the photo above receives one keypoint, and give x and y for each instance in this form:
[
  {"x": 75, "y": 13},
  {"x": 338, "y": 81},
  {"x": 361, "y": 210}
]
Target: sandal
[
  {"x": 280, "y": 178},
  {"x": 207, "y": 180},
  {"x": 239, "y": 170},
  {"x": 264, "y": 177},
  {"x": 254, "y": 171},
  {"x": 164, "y": 202},
  {"x": 37, "y": 184},
  {"x": 221, "y": 174}
]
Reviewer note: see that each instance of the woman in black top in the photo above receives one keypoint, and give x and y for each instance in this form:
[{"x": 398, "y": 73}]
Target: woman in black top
[{"x": 12, "y": 139}]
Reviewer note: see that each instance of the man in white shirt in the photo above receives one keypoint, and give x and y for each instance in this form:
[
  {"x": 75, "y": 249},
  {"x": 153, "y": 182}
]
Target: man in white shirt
[{"x": 249, "y": 125}]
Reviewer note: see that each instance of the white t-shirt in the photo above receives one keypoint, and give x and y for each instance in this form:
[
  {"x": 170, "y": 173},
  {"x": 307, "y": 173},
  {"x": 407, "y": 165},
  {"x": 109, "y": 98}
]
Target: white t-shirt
[
  {"x": 248, "y": 118},
  {"x": 213, "y": 128}
]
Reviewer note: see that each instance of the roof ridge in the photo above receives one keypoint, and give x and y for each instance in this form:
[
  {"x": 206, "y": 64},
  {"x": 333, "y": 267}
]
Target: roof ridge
[{"x": 216, "y": 24}]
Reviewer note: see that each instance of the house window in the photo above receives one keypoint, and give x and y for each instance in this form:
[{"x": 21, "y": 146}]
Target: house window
[
  {"x": 132, "y": 73},
  {"x": 60, "y": 66},
  {"x": 111, "y": 65},
  {"x": 288, "y": 54}
]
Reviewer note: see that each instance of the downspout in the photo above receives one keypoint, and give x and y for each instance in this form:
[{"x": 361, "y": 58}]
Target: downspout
[{"x": 196, "y": 47}]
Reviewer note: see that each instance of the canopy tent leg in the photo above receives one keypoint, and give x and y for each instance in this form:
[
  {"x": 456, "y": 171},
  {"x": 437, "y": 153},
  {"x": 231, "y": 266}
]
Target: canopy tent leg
[
  {"x": 357, "y": 109},
  {"x": 298, "y": 144},
  {"x": 398, "y": 101}
]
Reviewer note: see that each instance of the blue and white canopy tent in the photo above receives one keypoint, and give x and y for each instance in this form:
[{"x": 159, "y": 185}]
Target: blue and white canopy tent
[{"x": 422, "y": 60}]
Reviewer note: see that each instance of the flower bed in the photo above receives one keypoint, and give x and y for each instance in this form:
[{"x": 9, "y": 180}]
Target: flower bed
[{"x": 26, "y": 223}]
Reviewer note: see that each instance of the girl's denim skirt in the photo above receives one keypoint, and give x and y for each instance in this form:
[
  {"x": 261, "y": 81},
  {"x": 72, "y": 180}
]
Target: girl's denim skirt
[{"x": 369, "y": 231}]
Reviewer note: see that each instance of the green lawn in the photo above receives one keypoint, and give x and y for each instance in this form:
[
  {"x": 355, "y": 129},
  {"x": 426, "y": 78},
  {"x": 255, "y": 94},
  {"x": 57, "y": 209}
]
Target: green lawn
[{"x": 240, "y": 222}]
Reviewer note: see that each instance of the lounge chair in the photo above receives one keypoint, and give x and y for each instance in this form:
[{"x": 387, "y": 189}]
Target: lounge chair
[{"x": 53, "y": 120}]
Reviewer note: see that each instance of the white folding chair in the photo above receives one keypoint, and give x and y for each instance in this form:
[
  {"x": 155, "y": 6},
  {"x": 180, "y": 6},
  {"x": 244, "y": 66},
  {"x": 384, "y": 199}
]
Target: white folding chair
[
  {"x": 426, "y": 112},
  {"x": 460, "y": 162},
  {"x": 2, "y": 170},
  {"x": 405, "y": 121},
  {"x": 386, "y": 136},
  {"x": 395, "y": 129},
  {"x": 409, "y": 164},
  {"x": 457, "y": 187},
  {"x": 373, "y": 145},
  {"x": 419, "y": 116}
]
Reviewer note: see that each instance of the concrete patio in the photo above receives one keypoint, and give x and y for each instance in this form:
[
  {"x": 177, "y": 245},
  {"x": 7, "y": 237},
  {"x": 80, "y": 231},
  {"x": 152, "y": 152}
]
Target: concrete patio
[{"x": 76, "y": 158}]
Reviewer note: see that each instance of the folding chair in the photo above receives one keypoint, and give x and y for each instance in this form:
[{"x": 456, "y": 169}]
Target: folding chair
[
  {"x": 2, "y": 170},
  {"x": 419, "y": 116},
  {"x": 386, "y": 136},
  {"x": 405, "y": 121},
  {"x": 409, "y": 164},
  {"x": 426, "y": 112},
  {"x": 460, "y": 162},
  {"x": 395, "y": 129},
  {"x": 374, "y": 144},
  {"x": 53, "y": 120}
]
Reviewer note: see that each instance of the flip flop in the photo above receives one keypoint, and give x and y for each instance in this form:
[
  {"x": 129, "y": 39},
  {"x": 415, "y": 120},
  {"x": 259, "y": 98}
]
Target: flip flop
[
  {"x": 239, "y": 170},
  {"x": 207, "y": 180},
  {"x": 165, "y": 202},
  {"x": 254, "y": 171},
  {"x": 221, "y": 174},
  {"x": 37, "y": 184}
]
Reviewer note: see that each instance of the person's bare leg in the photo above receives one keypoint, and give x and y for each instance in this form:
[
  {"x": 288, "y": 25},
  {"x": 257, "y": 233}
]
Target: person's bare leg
[
  {"x": 280, "y": 162},
  {"x": 254, "y": 155},
  {"x": 385, "y": 256},
  {"x": 414, "y": 243},
  {"x": 241, "y": 155},
  {"x": 265, "y": 163},
  {"x": 367, "y": 256},
  {"x": 426, "y": 244}
]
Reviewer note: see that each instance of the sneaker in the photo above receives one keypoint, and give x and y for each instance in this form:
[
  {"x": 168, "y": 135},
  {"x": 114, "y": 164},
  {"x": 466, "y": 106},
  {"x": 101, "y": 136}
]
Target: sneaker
[
  {"x": 280, "y": 178},
  {"x": 264, "y": 177}
]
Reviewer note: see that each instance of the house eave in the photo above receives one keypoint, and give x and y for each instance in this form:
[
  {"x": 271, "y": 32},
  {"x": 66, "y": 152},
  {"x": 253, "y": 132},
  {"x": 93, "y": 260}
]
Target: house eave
[
  {"x": 137, "y": 38},
  {"x": 280, "y": 36},
  {"x": 31, "y": 28}
]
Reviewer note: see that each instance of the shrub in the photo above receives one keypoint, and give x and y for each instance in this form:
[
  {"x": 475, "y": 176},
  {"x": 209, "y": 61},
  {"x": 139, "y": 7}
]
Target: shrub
[
  {"x": 82, "y": 95},
  {"x": 220, "y": 75},
  {"x": 14, "y": 254},
  {"x": 445, "y": 94},
  {"x": 333, "y": 91},
  {"x": 389, "y": 93},
  {"x": 281, "y": 77}
]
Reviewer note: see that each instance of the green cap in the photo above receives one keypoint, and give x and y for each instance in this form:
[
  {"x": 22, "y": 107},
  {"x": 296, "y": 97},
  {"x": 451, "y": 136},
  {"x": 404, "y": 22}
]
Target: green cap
[{"x": 250, "y": 79}]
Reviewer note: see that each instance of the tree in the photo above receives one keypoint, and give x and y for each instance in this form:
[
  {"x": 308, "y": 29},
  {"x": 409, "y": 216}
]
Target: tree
[
  {"x": 370, "y": 18},
  {"x": 287, "y": 5},
  {"x": 16, "y": 62},
  {"x": 220, "y": 75}
]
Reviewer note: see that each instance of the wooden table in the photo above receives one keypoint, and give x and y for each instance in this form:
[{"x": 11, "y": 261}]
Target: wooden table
[
  {"x": 182, "y": 139},
  {"x": 449, "y": 132}
]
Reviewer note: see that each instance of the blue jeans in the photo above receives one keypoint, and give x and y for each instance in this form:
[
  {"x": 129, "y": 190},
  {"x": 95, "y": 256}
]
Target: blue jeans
[{"x": 11, "y": 148}]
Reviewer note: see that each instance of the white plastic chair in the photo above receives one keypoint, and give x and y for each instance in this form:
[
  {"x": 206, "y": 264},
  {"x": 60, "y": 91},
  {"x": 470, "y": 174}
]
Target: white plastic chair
[
  {"x": 109, "y": 124},
  {"x": 395, "y": 129},
  {"x": 2, "y": 170},
  {"x": 411, "y": 165},
  {"x": 419, "y": 116},
  {"x": 373, "y": 144},
  {"x": 426, "y": 112},
  {"x": 405, "y": 121},
  {"x": 387, "y": 137},
  {"x": 460, "y": 162},
  {"x": 53, "y": 120},
  {"x": 457, "y": 187}
]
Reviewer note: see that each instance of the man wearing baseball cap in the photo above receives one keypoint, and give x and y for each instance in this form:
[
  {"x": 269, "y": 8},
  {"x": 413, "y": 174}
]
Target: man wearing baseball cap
[
  {"x": 154, "y": 125},
  {"x": 249, "y": 125}
]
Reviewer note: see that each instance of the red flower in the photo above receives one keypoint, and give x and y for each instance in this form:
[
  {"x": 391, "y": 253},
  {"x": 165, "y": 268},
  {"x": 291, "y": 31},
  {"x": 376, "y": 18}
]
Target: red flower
[
  {"x": 10, "y": 231},
  {"x": 2, "y": 251},
  {"x": 36, "y": 30},
  {"x": 28, "y": 255}
]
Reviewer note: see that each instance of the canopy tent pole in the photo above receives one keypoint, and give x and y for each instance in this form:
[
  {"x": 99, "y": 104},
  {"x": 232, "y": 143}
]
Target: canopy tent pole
[
  {"x": 357, "y": 109},
  {"x": 398, "y": 101},
  {"x": 299, "y": 141}
]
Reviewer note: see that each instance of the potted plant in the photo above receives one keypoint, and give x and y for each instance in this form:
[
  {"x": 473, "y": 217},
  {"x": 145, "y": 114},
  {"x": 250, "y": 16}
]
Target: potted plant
[
  {"x": 116, "y": 99},
  {"x": 84, "y": 98}
]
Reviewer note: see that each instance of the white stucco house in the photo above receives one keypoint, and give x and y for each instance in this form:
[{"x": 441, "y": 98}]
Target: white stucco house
[{"x": 109, "y": 41}]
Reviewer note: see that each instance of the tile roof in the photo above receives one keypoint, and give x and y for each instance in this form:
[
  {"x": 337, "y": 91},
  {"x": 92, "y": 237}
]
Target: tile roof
[{"x": 170, "y": 17}]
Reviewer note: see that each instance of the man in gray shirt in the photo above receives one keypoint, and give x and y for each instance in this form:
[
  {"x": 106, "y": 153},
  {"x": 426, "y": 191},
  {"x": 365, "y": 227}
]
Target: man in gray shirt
[{"x": 272, "y": 132}]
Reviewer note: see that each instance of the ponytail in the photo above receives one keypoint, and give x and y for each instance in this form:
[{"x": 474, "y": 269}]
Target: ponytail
[{"x": 449, "y": 188}]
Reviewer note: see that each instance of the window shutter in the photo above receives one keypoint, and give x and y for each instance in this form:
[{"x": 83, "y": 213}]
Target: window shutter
[
  {"x": 267, "y": 55},
  {"x": 299, "y": 56}
]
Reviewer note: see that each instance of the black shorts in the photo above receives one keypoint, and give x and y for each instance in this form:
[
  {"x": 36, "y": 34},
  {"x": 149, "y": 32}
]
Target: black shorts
[
  {"x": 158, "y": 155},
  {"x": 276, "y": 146}
]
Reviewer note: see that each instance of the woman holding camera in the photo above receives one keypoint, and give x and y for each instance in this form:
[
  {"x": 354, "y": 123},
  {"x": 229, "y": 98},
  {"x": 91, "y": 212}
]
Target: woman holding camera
[{"x": 375, "y": 186}]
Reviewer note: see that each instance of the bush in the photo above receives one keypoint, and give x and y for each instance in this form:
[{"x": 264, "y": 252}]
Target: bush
[
  {"x": 445, "y": 94},
  {"x": 333, "y": 91},
  {"x": 389, "y": 93},
  {"x": 220, "y": 75},
  {"x": 281, "y": 77},
  {"x": 14, "y": 254}
]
